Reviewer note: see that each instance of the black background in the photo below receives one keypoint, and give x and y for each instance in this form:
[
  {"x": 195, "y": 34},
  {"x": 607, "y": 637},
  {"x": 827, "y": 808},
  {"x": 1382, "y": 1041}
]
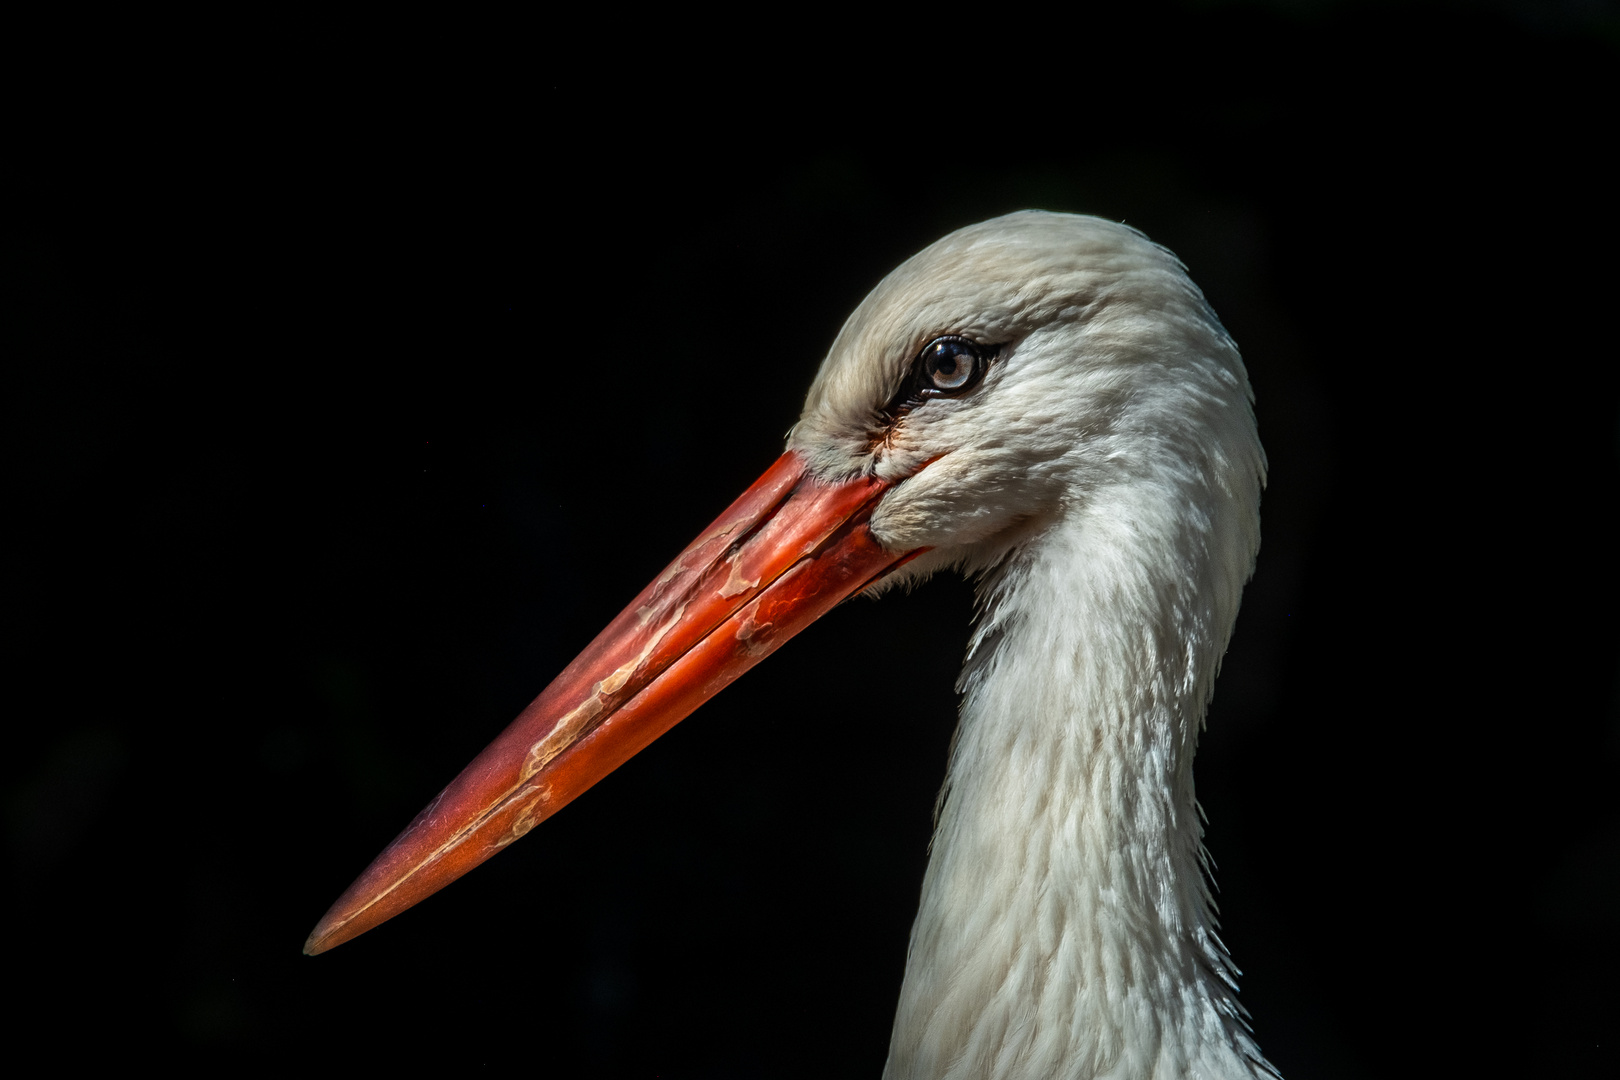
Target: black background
[{"x": 357, "y": 380}]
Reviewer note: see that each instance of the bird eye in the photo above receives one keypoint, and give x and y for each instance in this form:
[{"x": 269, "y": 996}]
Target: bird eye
[{"x": 949, "y": 365}]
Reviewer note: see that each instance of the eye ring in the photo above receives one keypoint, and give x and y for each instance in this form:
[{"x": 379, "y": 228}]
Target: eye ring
[{"x": 948, "y": 366}]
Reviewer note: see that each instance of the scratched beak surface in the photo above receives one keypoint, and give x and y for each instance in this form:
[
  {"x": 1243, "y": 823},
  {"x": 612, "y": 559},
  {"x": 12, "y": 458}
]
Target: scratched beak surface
[{"x": 779, "y": 558}]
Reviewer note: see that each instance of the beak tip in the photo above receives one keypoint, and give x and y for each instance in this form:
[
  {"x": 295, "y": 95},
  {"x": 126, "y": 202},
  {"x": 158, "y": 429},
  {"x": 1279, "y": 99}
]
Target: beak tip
[
  {"x": 326, "y": 936},
  {"x": 313, "y": 945}
]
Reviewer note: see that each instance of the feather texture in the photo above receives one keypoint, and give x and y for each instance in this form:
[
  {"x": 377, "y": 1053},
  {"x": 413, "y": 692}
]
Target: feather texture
[{"x": 1103, "y": 484}]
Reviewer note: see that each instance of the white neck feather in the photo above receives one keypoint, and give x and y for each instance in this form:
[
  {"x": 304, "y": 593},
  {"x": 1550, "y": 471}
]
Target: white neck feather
[{"x": 1065, "y": 927}]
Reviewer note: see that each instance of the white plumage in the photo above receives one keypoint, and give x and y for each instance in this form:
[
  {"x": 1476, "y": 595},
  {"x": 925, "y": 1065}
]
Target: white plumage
[
  {"x": 1104, "y": 485},
  {"x": 1046, "y": 403}
]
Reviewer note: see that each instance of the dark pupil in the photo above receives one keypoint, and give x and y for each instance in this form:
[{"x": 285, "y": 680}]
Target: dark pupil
[{"x": 950, "y": 365}]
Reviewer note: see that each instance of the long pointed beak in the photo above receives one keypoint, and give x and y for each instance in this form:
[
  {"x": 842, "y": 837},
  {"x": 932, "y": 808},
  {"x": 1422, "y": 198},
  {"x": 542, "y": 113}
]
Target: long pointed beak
[{"x": 783, "y": 555}]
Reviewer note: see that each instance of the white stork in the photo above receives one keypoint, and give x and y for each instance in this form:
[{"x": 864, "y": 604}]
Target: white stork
[{"x": 1047, "y": 403}]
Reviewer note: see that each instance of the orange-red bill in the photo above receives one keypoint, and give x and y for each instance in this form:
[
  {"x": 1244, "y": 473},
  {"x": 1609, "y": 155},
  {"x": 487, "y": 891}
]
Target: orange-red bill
[{"x": 783, "y": 555}]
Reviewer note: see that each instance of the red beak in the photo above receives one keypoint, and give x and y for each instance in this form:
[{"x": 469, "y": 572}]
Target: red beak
[{"x": 784, "y": 554}]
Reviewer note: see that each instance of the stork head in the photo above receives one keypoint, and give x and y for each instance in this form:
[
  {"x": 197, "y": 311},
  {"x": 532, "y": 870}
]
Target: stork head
[
  {"x": 1021, "y": 367},
  {"x": 1017, "y": 370}
]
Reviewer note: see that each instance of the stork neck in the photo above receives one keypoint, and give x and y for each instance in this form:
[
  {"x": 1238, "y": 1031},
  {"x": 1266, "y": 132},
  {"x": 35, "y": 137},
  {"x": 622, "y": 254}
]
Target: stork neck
[{"x": 1064, "y": 928}]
